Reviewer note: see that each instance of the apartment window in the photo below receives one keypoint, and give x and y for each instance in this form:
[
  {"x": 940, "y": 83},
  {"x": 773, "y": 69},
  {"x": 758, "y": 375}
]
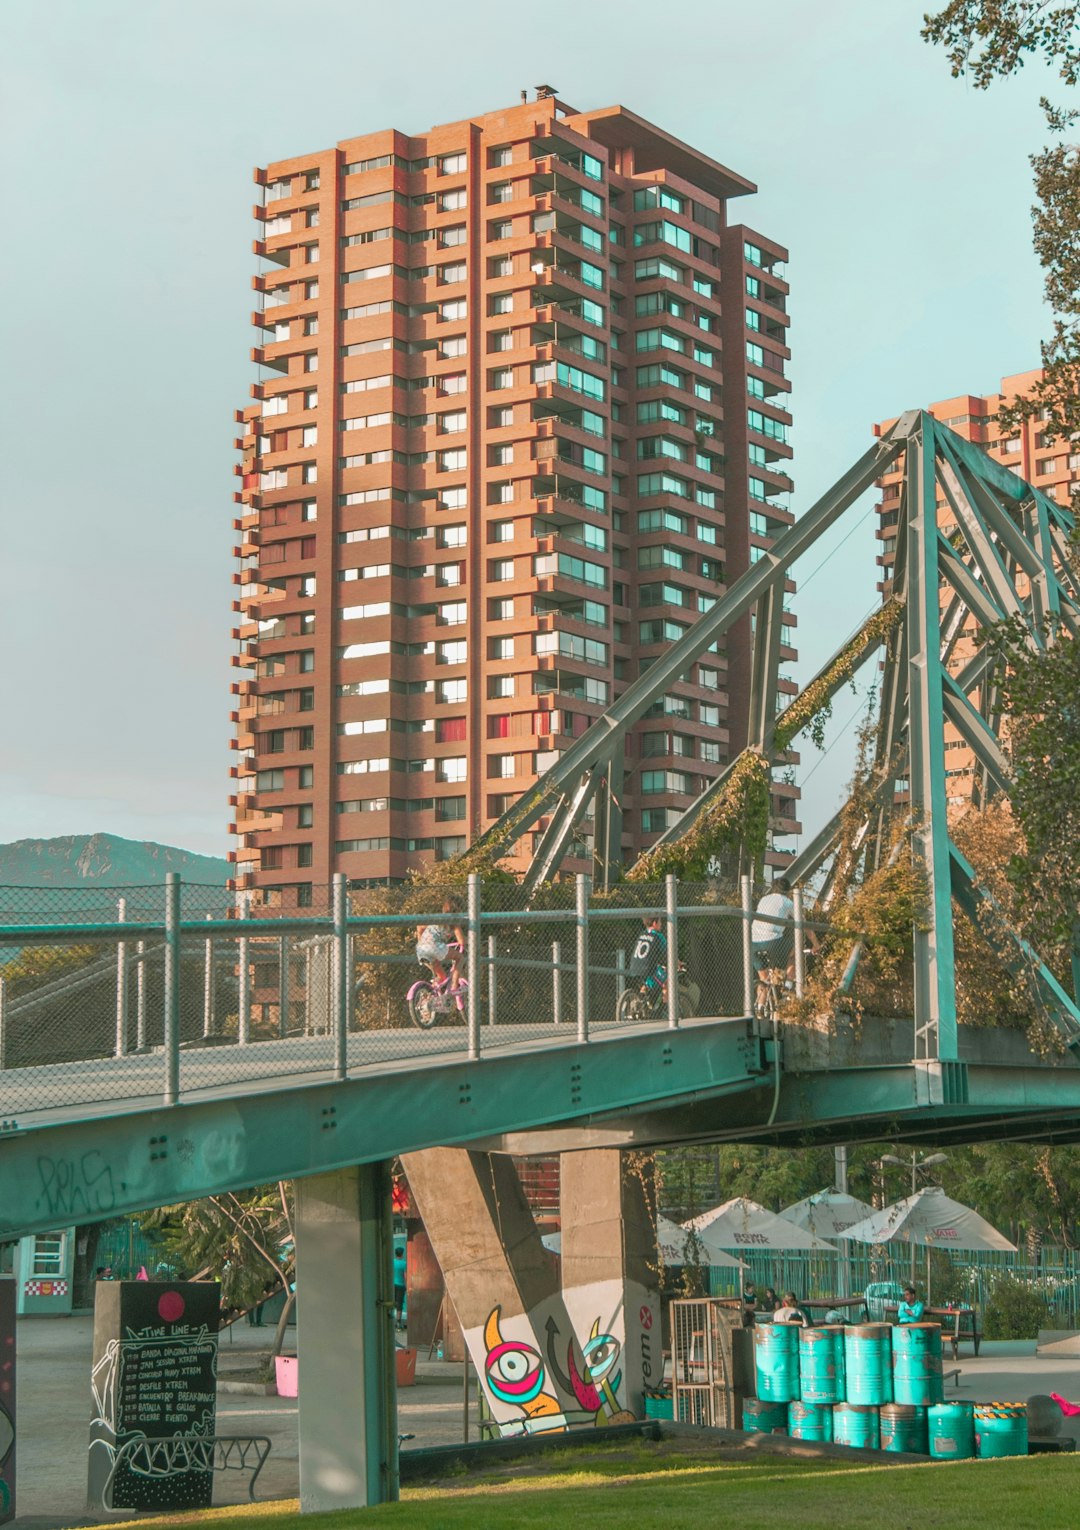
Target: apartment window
[
  {"x": 501, "y": 340},
  {"x": 309, "y": 436},
  {"x": 452, "y": 422},
  {"x": 452, "y": 536},
  {"x": 502, "y": 302},
  {"x": 501, "y": 265},
  {"x": 1047, "y": 465},
  {"x": 453, "y": 461},
  {"x": 452, "y": 164},
  {"x": 501, "y": 531},
  {"x": 454, "y": 345},
  {"x": 501, "y": 377},
  {"x": 449, "y": 573},
  {"x": 504, "y": 765},
  {"x": 501, "y": 569},
  {"x": 270, "y": 781},
  {"x": 452, "y": 768},
  {"x": 305, "y": 815},
  {"x": 453, "y": 235},
  {"x": 501, "y": 456},
  {"x": 501, "y": 228},
  {"x": 454, "y": 691},
  {"x": 309, "y": 473},
  {"x": 452, "y": 653},
  {"x": 457, "y": 309},
  {"x": 501, "y": 416},
  {"x": 501, "y": 648},
  {"x": 309, "y": 510},
  {"x": 500, "y": 610},
  {"x": 311, "y": 361},
  {"x": 500, "y": 156},
  {"x": 501, "y": 191},
  {"x": 452, "y": 272},
  {"x": 452, "y": 499},
  {"x": 452, "y": 201},
  {"x": 311, "y": 254},
  {"x": 452, "y": 615},
  {"x": 500, "y": 687}
]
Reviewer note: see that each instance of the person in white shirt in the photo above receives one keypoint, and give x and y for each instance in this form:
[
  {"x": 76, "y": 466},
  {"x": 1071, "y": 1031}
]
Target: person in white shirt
[
  {"x": 772, "y": 943},
  {"x": 790, "y": 1311}
]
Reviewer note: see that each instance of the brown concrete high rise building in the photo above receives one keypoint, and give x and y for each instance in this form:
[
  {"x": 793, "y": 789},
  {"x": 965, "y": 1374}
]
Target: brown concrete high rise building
[
  {"x": 522, "y": 416},
  {"x": 1052, "y": 467}
]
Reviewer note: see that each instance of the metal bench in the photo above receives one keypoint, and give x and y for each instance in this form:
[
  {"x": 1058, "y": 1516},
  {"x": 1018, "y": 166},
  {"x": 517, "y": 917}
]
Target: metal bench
[{"x": 188, "y": 1453}]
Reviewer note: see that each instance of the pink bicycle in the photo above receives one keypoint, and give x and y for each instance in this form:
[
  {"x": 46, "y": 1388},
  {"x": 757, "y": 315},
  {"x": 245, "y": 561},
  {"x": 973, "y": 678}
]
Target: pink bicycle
[{"x": 428, "y": 998}]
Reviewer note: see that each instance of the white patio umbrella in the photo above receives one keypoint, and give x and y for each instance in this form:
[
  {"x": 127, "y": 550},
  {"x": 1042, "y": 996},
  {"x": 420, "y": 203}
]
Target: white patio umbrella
[
  {"x": 828, "y": 1213},
  {"x": 671, "y": 1241},
  {"x": 742, "y": 1223},
  {"x": 932, "y": 1218}
]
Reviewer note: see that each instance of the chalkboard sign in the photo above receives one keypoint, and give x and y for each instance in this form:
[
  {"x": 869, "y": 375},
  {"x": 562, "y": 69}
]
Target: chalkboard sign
[
  {"x": 154, "y": 1377},
  {"x": 7, "y": 1400}
]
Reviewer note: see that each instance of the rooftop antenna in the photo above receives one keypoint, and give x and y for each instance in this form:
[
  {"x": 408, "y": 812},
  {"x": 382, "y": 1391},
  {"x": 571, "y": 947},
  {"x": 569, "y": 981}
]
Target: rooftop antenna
[{"x": 524, "y": 97}]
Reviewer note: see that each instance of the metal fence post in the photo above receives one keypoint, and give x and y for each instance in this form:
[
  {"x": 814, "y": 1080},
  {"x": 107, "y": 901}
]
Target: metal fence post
[
  {"x": 140, "y": 996},
  {"x": 556, "y": 981},
  {"x": 671, "y": 898},
  {"x": 620, "y": 976},
  {"x": 121, "y": 983},
  {"x": 472, "y": 998},
  {"x": 800, "y": 952},
  {"x": 3, "y": 1024},
  {"x": 172, "y": 987},
  {"x": 747, "y": 949},
  {"x": 581, "y": 915},
  {"x": 492, "y": 994},
  {"x": 208, "y": 987},
  {"x": 341, "y": 976},
  {"x": 243, "y": 1022},
  {"x": 284, "y": 985}
]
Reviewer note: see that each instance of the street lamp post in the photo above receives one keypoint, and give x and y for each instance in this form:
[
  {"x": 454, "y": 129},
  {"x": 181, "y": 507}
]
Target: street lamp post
[{"x": 917, "y": 1165}]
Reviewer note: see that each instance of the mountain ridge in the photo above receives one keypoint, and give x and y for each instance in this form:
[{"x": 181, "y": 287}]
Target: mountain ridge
[{"x": 103, "y": 860}]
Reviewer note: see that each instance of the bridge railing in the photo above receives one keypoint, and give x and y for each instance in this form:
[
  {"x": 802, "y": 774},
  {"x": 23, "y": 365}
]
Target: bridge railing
[{"x": 165, "y": 992}]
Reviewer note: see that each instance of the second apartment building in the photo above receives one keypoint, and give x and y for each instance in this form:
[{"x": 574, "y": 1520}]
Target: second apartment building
[{"x": 521, "y": 417}]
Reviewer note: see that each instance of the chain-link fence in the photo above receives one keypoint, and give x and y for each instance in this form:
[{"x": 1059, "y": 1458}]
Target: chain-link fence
[{"x": 151, "y": 992}]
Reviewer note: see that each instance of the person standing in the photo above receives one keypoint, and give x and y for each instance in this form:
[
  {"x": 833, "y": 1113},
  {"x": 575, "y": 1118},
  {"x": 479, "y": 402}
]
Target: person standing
[{"x": 400, "y": 1276}]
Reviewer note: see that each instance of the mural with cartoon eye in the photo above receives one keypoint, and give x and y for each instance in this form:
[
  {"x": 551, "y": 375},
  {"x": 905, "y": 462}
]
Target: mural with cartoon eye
[
  {"x": 596, "y": 1384},
  {"x": 514, "y": 1374}
]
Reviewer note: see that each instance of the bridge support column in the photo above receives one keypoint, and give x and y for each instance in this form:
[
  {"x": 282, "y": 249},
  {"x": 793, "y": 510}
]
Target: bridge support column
[
  {"x": 501, "y": 1281},
  {"x": 610, "y": 1273},
  {"x": 347, "y": 1401}
]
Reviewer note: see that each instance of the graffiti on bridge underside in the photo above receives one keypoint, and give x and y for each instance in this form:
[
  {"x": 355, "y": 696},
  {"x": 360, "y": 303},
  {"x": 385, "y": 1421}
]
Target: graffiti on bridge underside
[{"x": 76, "y": 1187}]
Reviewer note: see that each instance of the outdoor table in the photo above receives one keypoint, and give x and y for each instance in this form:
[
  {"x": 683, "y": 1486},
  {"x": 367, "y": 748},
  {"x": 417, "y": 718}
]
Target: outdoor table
[
  {"x": 956, "y": 1323},
  {"x": 825, "y": 1303}
]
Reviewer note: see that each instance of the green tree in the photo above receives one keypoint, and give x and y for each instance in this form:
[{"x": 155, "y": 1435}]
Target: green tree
[
  {"x": 985, "y": 40},
  {"x": 244, "y": 1239}
]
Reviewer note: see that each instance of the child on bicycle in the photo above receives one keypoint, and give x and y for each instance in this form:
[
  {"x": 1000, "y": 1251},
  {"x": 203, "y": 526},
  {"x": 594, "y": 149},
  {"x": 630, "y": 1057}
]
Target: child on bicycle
[{"x": 436, "y": 944}]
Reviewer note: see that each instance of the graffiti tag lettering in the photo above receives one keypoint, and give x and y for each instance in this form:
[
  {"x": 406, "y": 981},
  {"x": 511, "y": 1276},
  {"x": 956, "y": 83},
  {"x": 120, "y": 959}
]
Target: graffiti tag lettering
[{"x": 75, "y": 1187}]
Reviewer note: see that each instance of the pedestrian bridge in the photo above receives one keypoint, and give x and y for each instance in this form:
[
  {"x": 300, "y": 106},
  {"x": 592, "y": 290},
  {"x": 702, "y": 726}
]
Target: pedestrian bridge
[{"x": 172, "y": 1057}]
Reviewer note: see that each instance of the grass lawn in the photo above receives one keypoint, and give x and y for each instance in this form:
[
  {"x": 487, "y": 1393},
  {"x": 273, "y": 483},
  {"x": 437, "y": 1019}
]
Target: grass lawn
[{"x": 647, "y": 1486}]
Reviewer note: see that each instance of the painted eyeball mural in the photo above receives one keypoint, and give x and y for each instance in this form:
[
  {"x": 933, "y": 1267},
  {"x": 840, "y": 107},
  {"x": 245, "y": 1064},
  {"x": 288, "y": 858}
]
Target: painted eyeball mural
[
  {"x": 600, "y": 1354},
  {"x": 515, "y": 1372}
]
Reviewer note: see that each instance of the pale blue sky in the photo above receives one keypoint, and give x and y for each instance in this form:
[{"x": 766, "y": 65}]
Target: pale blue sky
[{"x": 131, "y": 128}]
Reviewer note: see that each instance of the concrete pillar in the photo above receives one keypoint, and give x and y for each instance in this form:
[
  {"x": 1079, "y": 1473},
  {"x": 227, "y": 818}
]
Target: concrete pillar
[
  {"x": 501, "y": 1282},
  {"x": 347, "y": 1396},
  {"x": 610, "y": 1275}
]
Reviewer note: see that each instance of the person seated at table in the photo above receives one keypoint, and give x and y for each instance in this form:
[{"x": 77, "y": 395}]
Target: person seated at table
[
  {"x": 911, "y": 1309},
  {"x": 750, "y": 1295},
  {"x": 790, "y": 1311},
  {"x": 749, "y": 1314},
  {"x": 770, "y": 1301}
]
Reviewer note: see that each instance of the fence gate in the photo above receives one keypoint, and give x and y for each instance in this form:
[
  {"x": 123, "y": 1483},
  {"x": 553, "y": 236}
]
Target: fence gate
[{"x": 711, "y": 1363}]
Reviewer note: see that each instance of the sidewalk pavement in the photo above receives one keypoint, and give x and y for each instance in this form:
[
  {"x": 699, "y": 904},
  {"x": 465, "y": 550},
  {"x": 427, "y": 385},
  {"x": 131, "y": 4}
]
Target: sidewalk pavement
[
  {"x": 54, "y": 1410},
  {"x": 54, "y": 1355}
]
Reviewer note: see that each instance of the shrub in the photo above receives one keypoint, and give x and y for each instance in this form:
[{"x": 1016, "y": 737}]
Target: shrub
[{"x": 1014, "y": 1310}]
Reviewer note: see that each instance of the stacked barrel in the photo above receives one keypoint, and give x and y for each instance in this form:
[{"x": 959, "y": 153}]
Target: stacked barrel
[{"x": 872, "y": 1386}]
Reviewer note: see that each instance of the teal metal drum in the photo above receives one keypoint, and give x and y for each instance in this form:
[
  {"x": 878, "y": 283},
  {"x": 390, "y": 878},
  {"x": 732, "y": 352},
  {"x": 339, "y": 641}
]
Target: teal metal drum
[
  {"x": 868, "y": 1363},
  {"x": 1001, "y": 1429},
  {"x": 776, "y": 1360},
  {"x": 856, "y": 1424},
  {"x": 810, "y": 1421},
  {"x": 916, "y": 1365},
  {"x": 821, "y": 1364},
  {"x": 761, "y": 1417},
  {"x": 951, "y": 1430},
  {"x": 904, "y": 1428}
]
